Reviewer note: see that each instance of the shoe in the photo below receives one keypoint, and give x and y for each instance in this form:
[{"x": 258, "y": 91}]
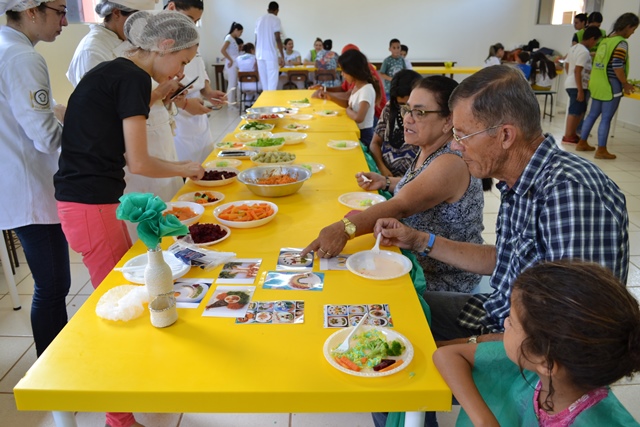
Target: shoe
[
  {"x": 584, "y": 146},
  {"x": 571, "y": 140},
  {"x": 602, "y": 153}
]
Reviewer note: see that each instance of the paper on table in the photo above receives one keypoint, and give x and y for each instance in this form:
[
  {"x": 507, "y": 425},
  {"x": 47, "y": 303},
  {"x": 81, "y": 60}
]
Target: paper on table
[{"x": 229, "y": 301}]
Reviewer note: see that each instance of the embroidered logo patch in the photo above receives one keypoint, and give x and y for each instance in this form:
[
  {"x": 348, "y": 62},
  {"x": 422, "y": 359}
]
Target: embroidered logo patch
[{"x": 40, "y": 99}]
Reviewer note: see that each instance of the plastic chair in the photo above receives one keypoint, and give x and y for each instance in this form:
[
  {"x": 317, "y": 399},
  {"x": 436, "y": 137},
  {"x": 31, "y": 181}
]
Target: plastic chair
[{"x": 247, "y": 77}]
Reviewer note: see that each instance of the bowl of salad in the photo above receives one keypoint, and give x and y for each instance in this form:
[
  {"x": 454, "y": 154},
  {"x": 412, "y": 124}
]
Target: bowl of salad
[
  {"x": 255, "y": 125},
  {"x": 266, "y": 144}
]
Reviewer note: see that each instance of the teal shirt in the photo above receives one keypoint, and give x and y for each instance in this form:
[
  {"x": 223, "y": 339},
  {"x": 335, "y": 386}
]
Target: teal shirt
[{"x": 390, "y": 66}]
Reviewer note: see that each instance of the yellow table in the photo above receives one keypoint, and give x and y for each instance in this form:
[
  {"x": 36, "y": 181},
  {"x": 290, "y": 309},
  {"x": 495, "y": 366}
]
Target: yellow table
[
  {"x": 310, "y": 68},
  {"x": 281, "y": 98},
  {"x": 446, "y": 70},
  {"x": 203, "y": 364}
]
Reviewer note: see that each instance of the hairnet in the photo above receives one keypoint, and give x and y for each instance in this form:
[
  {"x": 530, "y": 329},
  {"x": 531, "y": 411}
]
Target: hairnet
[
  {"x": 105, "y": 7},
  {"x": 19, "y": 5},
  {"x": 147, "y": 31}
]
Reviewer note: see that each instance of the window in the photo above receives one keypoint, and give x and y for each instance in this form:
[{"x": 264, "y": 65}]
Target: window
[
  {"x": 82, "y": 11},
  {"x": 561, "y": 12}
]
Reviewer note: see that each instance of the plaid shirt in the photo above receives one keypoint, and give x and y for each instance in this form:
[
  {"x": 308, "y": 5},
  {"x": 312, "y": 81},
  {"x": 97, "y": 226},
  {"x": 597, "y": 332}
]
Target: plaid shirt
[{"x": 562, "y": 206}]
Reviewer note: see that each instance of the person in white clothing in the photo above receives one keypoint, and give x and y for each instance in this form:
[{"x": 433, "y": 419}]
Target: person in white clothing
[
  {"x": 269, "y": 51},
  {"x": 247, "y": 63},
  {"x": 30, "y": 136},
  {"x": 496, "y": 52},
  {"x": 230, "y": 50},
  {"x": 193, "y": 134}
]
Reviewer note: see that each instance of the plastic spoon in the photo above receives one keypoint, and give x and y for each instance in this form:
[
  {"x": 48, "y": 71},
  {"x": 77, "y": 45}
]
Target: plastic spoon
[
  {"x": 344, "y": 347},
  {"x": 369, "y": 262}
]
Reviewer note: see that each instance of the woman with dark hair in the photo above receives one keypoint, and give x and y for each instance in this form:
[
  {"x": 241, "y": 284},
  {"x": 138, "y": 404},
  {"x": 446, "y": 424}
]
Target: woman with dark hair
[
  {"x": 437, "y": 194},
  {"x": 608, "y": 83},
  {"x": 365, "y": 92},
  {"x": 327, "y": 60},
  {"x": 543, "y": 71},
  {"x": 392, "y": 156},
  {"x": 496, "y": 52},
  {"x": 291, "y": 57},
  {"x": 231, "y": 51}
]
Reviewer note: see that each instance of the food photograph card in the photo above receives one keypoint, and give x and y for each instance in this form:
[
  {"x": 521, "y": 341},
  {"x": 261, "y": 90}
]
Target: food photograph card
[
  {"x": 189, "y": 293},
  {"x": 271, "y": 312},
  {"x": 291, "y": 260},
  {"x": 343, "y": 315},
  {"x": 294, "y": 281},
  {"x": 338, "y": 262},
  {"x": 229, "y": 301},
  {"x": 239, "y": 271}
]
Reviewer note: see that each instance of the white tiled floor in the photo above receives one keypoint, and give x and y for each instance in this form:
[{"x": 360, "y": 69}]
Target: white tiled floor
[{"x": 17, "y": 352}]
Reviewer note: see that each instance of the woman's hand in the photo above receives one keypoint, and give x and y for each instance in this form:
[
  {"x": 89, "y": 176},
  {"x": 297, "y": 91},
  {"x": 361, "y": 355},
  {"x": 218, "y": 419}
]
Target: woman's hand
[
  {"x": 321, "y": 93},
  {"x": 195, "y": 107},
  {"x": 166, "y": 89},
  {"x": 330, "y": 241},
  {"x": 395, "y": 233},
  {"x": 371, "y": 181},
  {"x": 216, "y": 97},
  {"x": 628, "y": 88},
  {"x": 192, "y": 170}
]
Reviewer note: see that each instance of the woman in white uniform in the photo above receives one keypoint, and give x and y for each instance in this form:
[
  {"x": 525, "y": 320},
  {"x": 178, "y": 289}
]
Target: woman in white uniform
[{"x": 230, "y": 50}]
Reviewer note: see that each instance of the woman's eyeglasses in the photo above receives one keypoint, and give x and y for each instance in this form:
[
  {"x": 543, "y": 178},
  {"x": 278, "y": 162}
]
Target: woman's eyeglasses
[
  {"x": 61, "y": 12},
  {"x": 416, "y": 113}
]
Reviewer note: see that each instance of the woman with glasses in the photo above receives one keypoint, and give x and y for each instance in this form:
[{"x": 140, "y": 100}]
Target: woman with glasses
[
  {"x": 436, "y": 194},
  {"x": 30, "y": 135}
]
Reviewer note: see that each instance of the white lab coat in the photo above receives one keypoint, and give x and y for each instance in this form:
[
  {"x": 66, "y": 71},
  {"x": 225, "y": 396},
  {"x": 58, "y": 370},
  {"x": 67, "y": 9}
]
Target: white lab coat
[
  {"x": 96, "y": 47},
  {"x": 30, "y": 135}
]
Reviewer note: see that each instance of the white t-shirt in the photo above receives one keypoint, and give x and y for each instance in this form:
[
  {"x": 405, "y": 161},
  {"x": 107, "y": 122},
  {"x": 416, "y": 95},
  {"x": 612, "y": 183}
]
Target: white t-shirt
[
  {"x": 578, "y": 56},
  {"x": 294, "y": 55},
  {"x": 96, "y": 47},
  {"x": 492, "y": 60},
  {"x": 367, "y": 94},
  {"x": 246, "y": 62},
  {"x": 266, "y": 27},
  {"x": 232, "y": 49}
]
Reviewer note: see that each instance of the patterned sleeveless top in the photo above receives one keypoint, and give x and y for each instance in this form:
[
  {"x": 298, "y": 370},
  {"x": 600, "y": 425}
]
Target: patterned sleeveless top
[{"x": 459, "y": 221}]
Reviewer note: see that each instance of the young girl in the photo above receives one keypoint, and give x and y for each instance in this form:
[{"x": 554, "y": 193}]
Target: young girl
[
  {"x": 393, "y": 157},
  {"x": 291, "y": 57},
  {"x": 496, "y": 52},
  {"x": 543, "y": 71},
  {"x": 365, "y": 93},
  {"x": 573, "y": 330},
  {"x": 231, "y": 51}
]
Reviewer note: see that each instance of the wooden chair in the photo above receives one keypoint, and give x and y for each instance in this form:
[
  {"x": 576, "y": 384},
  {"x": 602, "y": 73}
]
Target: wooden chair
[
  {"x": 325, "y": 76},
  {"x": 301, "y": 76},
  {"x": 247, "y": 77}
]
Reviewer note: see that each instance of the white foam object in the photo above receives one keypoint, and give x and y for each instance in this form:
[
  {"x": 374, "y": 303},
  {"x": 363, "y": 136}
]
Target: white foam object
[{"x": 122, "y": 303}]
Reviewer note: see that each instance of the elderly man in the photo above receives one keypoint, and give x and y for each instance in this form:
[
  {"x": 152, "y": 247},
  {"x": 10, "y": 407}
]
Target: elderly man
[
  {"x": 554, "y": 205},
  {"x": 269, "y": 51}
]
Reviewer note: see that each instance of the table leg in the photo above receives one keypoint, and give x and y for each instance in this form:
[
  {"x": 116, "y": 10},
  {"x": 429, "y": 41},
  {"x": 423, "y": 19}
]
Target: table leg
[
  {"x": 8, "y": 275},
  {"x": 414, "y": 419},
  {"x": 64, "y": 419}
]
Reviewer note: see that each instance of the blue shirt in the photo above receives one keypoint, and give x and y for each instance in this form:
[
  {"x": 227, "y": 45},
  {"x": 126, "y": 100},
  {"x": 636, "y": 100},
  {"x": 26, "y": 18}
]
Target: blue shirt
[{"x": 562, "y": 206}]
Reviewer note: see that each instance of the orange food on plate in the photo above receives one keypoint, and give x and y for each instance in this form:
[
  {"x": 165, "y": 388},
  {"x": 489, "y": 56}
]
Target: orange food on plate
[
  {"x": 181, "y": 213},
  {"x": 244, "y": 212}
]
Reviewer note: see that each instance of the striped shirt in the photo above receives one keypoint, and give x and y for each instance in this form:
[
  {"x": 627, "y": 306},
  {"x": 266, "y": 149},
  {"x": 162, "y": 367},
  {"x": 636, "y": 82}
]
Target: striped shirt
[{"x": 562, "y": 206}]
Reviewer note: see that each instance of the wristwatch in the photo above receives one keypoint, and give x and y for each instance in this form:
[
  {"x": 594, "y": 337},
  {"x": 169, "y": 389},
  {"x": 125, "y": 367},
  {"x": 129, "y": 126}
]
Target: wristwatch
[
  {"x": 473, "y": 339},
  {"x": 349, "y": 228}
]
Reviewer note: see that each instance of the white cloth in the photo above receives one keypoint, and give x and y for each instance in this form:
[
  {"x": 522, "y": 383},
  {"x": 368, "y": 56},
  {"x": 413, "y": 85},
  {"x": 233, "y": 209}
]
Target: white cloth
[
  {"x": 578, "y": 56},
  {"x": 365, "y": 94},
  {"x": 30, "y": 135},
  {"x": 232, "y": 49},
  {"x": 407, "y": 64},
  {"x": 231, "y": 72},
  {"x": 269, "y": 72},
  {"x": 492, "y": 60},
  {"x": 543, "y": 80},
  {"x": 96, "y": 47},
  {"x": 193, "y": 136},
  {"x": 266, "y": 27},
  {"x": 247, "y": 63},
  {"x": 291, "y": 57}
]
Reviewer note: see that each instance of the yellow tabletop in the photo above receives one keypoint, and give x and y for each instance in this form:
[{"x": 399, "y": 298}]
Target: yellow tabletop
[
  {"x": 446, "y": 70},
  {"x": 310, "y": 68},
  {"x": 317, "y": 123},
  {"x": 204, "y": 364},
  {"x": 634, "y": 95}
]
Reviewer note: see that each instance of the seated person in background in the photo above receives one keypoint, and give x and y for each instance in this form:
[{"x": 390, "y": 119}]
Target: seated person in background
[
  {"x": 404, "y": 51},
  {"x": 327, "y": 60},
  {"x": 437, "y": 194},
  {"x": 340, "y": 94},
  {"x": 522, "y": 62},
  {"x": 573, "y": 330},
  {"x": 496, "y": 52},
  {"x": 543, "y": 71},
  {"x": 291, "y": 57},
  {"x": 247, "y": 63},
  {"x": 392, "y": 156},
  {"x": 392, "y": 64},
  {"x": 310, "y": 57},
  {"x": 549, "y": 197}
]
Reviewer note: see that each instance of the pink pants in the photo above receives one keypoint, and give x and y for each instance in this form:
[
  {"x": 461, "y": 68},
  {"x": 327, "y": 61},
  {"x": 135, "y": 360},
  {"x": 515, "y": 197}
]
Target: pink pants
[
  {"x": 96, "y": 233},
  {"x": 102, "y": 239}
]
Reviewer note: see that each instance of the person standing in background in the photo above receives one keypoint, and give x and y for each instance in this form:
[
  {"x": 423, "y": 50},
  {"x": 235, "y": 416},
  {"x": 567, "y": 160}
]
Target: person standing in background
[
  {"x": 30, "y": 135},
  {"x": 404, "y": 51},
  {"x": 230, "y": 50},
  {"x": 269, "y": 50},
  {"x": 579, "y": 23},
  {"x": 391, "y": 65}
]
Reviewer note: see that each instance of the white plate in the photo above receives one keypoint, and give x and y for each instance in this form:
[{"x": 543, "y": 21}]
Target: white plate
[
  {"x": 343, "y": 145},
  {"x": 290, "y": 111},
  {"x": 263, "y": 127},
  {"x": 219, "y": 182},
  {"x": 358, "y": 200},
  {"x": 296, "y": 127},
  {"x": 388, "y": 265},
  {"x": 302, "y": 116},
  {"x": 245, "y": 224},
  {"x": 190, "y": 197},
  {"x": 300, "y": 104},
  {"x": 315, "y": 167},
  {"x": 202, "y": 245},
  {"x": 195, "y": 208},
  {"x": 229, "y": 145},
  {"x": 223, "y": 163},
  {"x": 186, "y": 291},
  {"x": 336, "y": 339},
  {"x": 252, "y": 135},
  {"x": 178, "y": 268},
  {"x": 327, "y": 113},
  {"x": 291, "y": 138}
]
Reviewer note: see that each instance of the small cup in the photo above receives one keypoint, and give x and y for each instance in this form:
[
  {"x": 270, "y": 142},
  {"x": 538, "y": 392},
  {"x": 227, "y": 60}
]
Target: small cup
[
  {"x": 448, "y": 64},
  {"x": 163, "y": 311}
]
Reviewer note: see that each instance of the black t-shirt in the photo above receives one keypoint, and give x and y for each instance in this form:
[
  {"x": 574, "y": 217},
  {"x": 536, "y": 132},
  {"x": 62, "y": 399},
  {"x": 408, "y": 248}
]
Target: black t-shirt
[{"x": 92, "y": 158}]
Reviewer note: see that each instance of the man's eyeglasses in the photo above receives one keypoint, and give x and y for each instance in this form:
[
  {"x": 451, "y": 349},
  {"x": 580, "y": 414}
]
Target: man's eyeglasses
[
  {"x": 416, "y": 113},
  {"x": 61, "y": 12},
  {"x": 459, "y": 139}
]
